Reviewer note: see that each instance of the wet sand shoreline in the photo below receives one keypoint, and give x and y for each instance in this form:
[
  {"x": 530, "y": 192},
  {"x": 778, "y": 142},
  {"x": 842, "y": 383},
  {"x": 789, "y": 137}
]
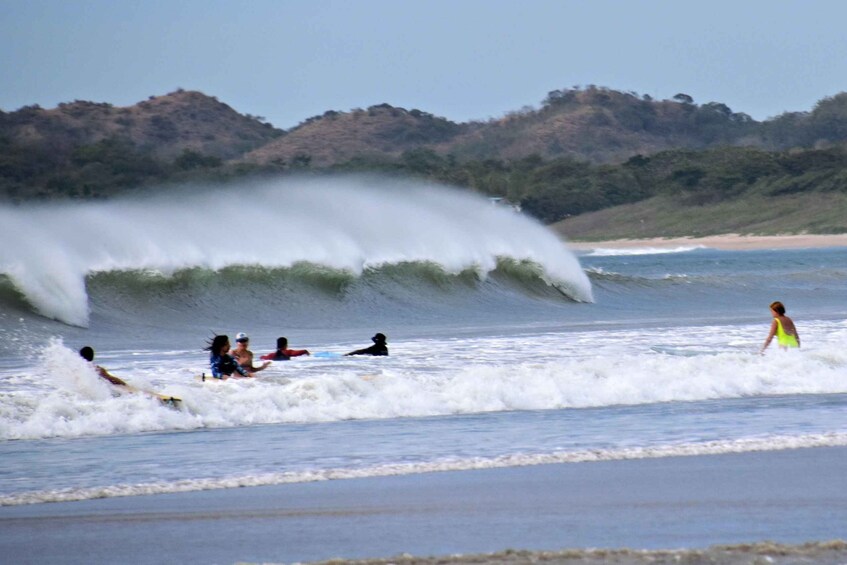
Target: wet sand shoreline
[
  {"x": 787, "y": 497},
  {"x": 829, "y": 553}
]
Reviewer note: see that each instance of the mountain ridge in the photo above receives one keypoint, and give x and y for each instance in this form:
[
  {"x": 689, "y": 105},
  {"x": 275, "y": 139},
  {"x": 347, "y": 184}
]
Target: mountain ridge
[{"x": 583, "y": 150}]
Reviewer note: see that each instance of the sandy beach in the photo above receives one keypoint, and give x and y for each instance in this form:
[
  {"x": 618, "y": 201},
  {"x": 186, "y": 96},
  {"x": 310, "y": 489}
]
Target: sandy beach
[
  {"x": 786, "y": 497},
  {"x": 729, "y": 242}
]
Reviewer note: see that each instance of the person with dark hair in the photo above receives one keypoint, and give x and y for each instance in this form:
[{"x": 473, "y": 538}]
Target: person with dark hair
[
  {"x": 244, "y": 356},
  {"x": 783, "y": 328},
  {"x": 223, "y": 364},
  {"x": 282, "y": 352},
  {"x": 87, "y": 353},
  {"x": 379, "y": 347}
]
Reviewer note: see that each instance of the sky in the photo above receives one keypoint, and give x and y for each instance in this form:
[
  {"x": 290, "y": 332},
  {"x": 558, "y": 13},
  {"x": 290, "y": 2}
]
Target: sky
[{"x": 289, "y": 60}]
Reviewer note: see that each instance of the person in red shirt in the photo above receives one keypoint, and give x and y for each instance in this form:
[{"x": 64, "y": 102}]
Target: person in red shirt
[{"x": 282, "y": 352}]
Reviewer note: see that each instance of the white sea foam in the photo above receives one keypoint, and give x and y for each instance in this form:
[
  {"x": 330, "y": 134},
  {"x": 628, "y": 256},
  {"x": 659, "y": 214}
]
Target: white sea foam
[
  {"x": 746, "y": 445},
  {"x": 614, "y": 252},
  {"x": 63, "y": 397},
  {"x": 342, "y": 223}
]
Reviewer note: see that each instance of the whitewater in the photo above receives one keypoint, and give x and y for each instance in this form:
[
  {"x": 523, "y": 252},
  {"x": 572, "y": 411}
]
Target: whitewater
[
  {"x": 345, "y": 227},
  {"x": 507, "y": 349}
]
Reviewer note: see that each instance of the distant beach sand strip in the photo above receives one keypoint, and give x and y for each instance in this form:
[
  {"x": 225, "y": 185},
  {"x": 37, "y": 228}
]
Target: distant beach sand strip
[{"x": 728, "y": 242}]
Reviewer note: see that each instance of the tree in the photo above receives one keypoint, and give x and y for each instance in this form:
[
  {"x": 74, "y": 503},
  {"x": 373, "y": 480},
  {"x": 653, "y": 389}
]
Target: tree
[{"x": 192, "y": 160}]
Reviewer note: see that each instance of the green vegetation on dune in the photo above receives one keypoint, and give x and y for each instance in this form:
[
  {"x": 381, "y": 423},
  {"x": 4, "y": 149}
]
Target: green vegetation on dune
[
  {"x": 746, "y": 190},
  {"x": 663, "y": 216}
]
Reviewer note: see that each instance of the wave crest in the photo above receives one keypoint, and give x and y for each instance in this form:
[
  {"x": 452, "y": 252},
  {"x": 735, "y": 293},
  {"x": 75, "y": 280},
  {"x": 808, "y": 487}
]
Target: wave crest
[{"x": 329, "y": 229}]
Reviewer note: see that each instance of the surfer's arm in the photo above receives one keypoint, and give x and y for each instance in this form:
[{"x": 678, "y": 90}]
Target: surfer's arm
[
  {"x": 110, "y": 377},
  {"x": 770, "y": 336}
]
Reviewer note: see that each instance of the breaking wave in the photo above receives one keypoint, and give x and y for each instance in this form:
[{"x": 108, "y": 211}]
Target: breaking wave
[{"x": 323, "y": 234}]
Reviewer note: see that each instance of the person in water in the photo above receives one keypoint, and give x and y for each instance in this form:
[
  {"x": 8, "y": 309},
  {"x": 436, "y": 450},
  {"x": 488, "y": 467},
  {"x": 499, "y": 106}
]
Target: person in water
[
  {"x": 378, "y": 348},
  {"x": 783, "y": 328},
  {"x": 244, "y": 356},
  {"x": 223, "y": 364},
  {"x": 87, "y": 353},
  {"x": 282, "y": 352}
]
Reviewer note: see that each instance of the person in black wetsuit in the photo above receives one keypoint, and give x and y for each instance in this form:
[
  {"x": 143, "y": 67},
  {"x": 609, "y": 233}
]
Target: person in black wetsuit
[{"x": 379, "y": 347}]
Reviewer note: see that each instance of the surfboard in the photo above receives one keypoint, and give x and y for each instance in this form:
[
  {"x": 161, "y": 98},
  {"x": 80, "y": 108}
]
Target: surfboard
[
  {"x": 326, "y": 355},
  {"x": 171, "y": 401}
]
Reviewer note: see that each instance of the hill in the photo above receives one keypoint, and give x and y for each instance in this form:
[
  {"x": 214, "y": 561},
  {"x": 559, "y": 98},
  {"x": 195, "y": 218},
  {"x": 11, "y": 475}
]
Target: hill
[
  {"x": 381, "y": 132},
  {"x": 591, "y": 124},
  {"x": 583, "y": 154},
  {"x": 87, "y": 148},
  {"x": 163, "y": 125},
  {"x": 605, "y": 126}
]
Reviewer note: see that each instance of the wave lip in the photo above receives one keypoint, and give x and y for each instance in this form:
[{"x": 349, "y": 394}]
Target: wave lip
[{"x": 347, "y": 224}]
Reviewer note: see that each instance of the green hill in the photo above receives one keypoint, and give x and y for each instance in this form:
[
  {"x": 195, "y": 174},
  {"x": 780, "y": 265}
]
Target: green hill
[
  {"x": 585, "y": 160},
  {"x": 84, "y": 149}
]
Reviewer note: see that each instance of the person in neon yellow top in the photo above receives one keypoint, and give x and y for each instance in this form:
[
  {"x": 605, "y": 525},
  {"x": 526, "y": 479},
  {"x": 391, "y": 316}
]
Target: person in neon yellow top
[{"x": 783, "y": 328}]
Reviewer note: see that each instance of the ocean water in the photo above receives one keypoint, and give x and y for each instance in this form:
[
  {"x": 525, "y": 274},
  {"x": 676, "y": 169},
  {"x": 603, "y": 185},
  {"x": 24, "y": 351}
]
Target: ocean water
[{"x": 507, "y": 348}]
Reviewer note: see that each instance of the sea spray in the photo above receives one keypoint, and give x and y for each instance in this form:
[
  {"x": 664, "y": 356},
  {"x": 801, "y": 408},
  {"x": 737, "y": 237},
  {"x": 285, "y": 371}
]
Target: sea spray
[{"x": 347, "y": 224}]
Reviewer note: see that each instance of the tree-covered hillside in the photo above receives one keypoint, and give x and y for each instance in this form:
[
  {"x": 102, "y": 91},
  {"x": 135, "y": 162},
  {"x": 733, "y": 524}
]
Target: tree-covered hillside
[
  {"x": 583, "y": 150},
  {"x": 87, "y": 149}
]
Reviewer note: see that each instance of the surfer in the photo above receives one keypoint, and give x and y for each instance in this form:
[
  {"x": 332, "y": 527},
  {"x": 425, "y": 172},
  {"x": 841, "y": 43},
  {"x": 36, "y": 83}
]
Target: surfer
[
  {"x": 244, "y": 356},
  {"x": 378, "y": 348},
  {"x": 223, "y": 364},
  {"x": 783, "y": 328},
  {"x": 282, "y": 352},
  {"x": 87, "y": 353}
]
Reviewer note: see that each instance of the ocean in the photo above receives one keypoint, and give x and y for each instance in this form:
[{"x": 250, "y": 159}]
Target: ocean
[{"x": 507, "y": 349}]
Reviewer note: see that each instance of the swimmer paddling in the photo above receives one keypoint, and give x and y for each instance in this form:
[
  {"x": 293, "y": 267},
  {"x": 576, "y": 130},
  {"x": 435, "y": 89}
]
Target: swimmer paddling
[{"x": 87, "y": 353}]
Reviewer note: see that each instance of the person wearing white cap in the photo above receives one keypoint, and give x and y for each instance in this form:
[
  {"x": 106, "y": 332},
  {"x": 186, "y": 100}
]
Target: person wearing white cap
[{"x": 244, "y": 356}]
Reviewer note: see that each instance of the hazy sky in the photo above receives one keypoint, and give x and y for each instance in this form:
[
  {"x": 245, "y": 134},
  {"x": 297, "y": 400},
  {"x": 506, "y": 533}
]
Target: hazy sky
[{"x": 288, "y": 60}]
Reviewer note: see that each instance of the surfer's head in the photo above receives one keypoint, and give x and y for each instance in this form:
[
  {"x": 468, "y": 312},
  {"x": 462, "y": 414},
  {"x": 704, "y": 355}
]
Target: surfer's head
[
  {"x": 282, "y": 343},
  {"x": 379, "y": 338},
  {"x": 218, "y": 344},
  {"x": 87, "y": 353},
  {"x": 778, "y": 308}
]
